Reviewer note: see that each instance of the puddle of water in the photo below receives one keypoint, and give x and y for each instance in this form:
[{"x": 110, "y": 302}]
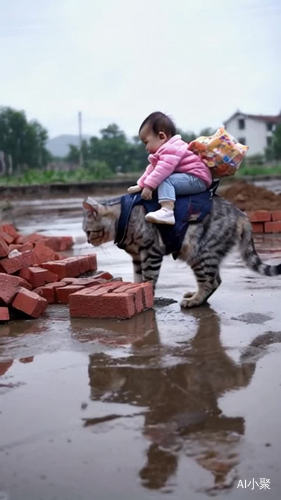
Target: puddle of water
[{"x": 182, "y": 403}]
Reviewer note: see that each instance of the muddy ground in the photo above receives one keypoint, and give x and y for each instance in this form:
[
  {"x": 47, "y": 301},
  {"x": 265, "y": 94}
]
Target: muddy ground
[{"x": 171, "y": 403}]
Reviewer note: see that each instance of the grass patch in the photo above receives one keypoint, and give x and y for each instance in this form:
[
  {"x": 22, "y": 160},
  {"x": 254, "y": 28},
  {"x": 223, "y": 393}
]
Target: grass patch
[
  {"x": 34, "y": 176},
  {"x": 255, "y": 170},
  {"x": 99, "y": 172}
]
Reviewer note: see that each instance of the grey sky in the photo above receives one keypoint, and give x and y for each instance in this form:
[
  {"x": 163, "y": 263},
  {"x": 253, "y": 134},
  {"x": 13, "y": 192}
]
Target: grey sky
[{"x": 119, "y": 60}]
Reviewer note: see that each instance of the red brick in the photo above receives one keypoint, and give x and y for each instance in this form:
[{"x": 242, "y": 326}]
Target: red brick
[
  {"x": 101, "y": 305},
  {"x": 148, "y": 295},
  {"x": 62, "y": 268},
  {"x": 6, "y": 237},
  {"x": 49, "y": 291},
  {"x": 43, "y": 253},
  {"x": 111, "y": 300},
  {"x": 272, "y": 227},
  {"x": 258, "y": 227},
  {"x": 21, "y": 247},
  {"x": 59, "y": 243},
  {"x": 51, "y": 277},
  {"x": 27, "y": 359},
  {"x": 101, "y": 288},
  {"x": 92, "y": 259},
  {"x": 62, "y": 293},
  {"x": 276, "y": 215},
  {"x": 37, "y": 276},
  {"x": 30, "y": 303},
  {"x": 4, "y": 314},
  {"x": 136, "y": 292},
  {"x": 9, "y": 285},
  {"x": 14, "y": 264},
  {"x": 260, "y": 216},
  {"x": 4, "y": 249},
  {"x": 34, "y": 238},
  {"x": 19, "y": 240},
  {"x": 98, "y": 278},
  {"x": 72, "y": 266},
  {"x": 10, "y": 229},
  {"x": 5, "y": 365}
]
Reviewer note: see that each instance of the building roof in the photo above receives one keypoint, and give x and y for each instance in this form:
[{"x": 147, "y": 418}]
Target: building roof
[{"x": 264, "y": 118}]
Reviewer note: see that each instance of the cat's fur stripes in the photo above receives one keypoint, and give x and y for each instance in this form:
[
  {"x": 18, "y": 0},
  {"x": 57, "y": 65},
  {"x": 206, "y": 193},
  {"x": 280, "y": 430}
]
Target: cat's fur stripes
[{"x": 204, "y": 246}]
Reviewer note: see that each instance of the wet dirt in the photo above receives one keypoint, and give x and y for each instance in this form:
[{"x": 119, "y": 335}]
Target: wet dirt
[
  {"x": 249, "y": 197},
  {"x": 184, "y": 404}
]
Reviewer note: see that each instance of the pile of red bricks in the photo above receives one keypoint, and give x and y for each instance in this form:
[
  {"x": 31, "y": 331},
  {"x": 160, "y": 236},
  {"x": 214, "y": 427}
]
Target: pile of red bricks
[
  {"x": 265, "y": 221},
  {"x": 33, "y": 274},
  {"x": 116, "y": 299}
]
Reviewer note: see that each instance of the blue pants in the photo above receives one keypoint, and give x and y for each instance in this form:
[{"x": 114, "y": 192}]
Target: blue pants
[{"x": 180, "y": 184}]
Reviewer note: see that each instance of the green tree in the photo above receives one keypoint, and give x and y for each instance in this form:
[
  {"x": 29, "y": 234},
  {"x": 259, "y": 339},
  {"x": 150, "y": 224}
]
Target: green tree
[
  {"x": 112, "y": 147},
  {"x": 73, "y": 155},
  {"x": 21, "y": 141},
  {"x": 186, "y": 136}
]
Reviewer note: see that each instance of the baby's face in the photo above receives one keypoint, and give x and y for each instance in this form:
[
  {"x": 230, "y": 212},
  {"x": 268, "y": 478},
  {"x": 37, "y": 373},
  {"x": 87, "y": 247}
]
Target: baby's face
[{"x": 151, "y": 140}]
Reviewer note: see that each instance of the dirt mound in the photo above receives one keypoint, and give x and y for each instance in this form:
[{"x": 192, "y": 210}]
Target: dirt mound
[{"x": 249, "y": 197}]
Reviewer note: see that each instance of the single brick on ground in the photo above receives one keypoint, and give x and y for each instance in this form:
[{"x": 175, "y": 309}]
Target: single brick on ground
[
  {"x": 14, "y": 264},
  {"x": 30, "y": 303},
  {"x": 9, "y": 286}
]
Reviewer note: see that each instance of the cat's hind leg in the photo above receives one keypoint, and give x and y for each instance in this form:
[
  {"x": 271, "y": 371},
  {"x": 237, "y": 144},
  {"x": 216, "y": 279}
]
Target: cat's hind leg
[{"x": 208, "y": 281}]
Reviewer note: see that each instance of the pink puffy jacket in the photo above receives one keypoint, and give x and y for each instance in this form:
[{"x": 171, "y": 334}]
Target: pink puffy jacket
[{"x": 173, "y": 156}]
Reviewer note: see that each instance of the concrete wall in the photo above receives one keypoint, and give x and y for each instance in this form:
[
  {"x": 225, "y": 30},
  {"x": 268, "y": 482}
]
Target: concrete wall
[{"x": 255, "y": 133}]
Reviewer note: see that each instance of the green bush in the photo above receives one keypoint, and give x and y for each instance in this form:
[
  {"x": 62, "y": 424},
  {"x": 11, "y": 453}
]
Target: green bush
[
  {"x": 95, "y": 171},
  {"x": 256, "y": 169}
]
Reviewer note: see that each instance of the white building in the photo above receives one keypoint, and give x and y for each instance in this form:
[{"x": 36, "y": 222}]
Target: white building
[{"x": 253, "y": 130}]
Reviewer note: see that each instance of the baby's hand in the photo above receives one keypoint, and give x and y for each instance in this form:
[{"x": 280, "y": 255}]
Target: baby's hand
[
  {"x": 134, "y": 189},
  {"x": 146, "y": 193}
]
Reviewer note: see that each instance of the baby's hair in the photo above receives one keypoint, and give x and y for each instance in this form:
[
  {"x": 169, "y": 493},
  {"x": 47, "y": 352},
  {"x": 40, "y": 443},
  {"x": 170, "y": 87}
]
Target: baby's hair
[{"x": 159, "y": 122}]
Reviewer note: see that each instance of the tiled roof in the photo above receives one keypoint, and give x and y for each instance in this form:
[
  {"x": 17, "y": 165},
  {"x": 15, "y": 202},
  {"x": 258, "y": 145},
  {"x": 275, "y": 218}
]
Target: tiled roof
[{"x": 264, "y": 118}]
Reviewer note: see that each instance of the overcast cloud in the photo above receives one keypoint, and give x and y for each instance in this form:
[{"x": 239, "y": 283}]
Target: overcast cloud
[{"x": 119, "y": 60}]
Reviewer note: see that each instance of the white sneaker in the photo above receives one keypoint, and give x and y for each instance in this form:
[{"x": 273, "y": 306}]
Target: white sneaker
[{"x": 162, "y": 216}]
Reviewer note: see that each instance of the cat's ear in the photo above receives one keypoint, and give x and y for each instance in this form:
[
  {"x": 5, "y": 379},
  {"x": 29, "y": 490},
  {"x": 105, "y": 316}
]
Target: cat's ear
[
  {"x": 90, "y": 207},
  {"x": 93, "y": 207}
]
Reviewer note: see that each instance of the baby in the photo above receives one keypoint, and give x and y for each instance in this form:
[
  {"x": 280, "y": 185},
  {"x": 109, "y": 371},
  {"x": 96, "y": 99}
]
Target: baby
[{"x": 173, "y": 169}]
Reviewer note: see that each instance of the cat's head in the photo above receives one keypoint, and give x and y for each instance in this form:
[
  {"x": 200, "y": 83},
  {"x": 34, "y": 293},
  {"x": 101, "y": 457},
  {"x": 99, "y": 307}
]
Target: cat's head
[{"x": 99, "y": 221}]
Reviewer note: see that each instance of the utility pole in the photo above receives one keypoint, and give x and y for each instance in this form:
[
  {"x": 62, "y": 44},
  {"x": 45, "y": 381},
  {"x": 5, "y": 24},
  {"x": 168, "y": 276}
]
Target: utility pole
[{"x": 80, "y": 138}]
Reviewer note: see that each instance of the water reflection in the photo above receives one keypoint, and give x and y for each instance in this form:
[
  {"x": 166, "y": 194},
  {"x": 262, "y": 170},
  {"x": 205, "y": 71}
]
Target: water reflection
[
  {"x": 179, "y": 387},
  {"x": 140, "y": 330}
]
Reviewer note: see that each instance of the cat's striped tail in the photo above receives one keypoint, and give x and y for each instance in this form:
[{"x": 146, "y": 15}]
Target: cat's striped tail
[{"x": 250, "y": 255}]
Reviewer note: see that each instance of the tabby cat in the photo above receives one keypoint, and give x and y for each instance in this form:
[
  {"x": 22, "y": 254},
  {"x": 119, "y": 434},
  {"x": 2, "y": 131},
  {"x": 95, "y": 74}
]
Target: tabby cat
[{"x": 204, "y": 246}]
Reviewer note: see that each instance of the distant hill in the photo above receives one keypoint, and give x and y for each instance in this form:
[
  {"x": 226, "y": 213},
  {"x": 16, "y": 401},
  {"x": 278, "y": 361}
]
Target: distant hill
[{"x": 59, "y": 146}]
